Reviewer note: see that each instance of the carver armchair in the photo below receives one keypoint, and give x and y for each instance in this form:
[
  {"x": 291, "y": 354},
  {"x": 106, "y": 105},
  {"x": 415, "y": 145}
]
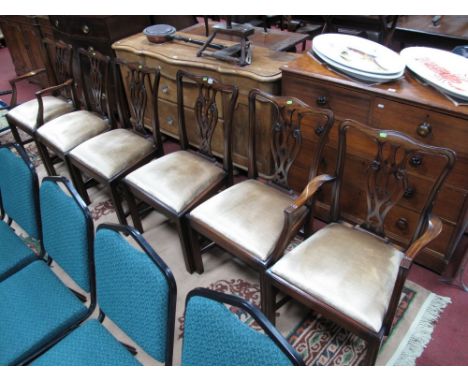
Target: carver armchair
[
  {"x": 252, "y": 220},
  {"x": 49, "y": 103},
  {"x": 353, "y": 274},
  {"x": 64, "y": 133},
  {"x": 176, "y": 183}
]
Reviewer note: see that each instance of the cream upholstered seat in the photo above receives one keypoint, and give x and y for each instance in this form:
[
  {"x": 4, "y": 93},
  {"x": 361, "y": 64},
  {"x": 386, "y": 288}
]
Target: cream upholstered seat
[
  {"x": 110, "y": 153},
  {"x": 68, "y": 131},
  {"x": 348, "y": 269},
  {"x": 176, "y": 179},
  {"x": 25, "y": 114},
  {"x": 249, "y": 213}
]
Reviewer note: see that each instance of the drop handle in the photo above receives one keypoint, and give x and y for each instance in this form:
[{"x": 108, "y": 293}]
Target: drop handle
[
  {"x": 416, "y": 160},
  {"x": 409, "y": 192},
  {"x": 85, "y": 29},
  {"x": 322, "y": 101},
  {"x": 402, "y": 224},
  {"x": 424, "y": 129}
]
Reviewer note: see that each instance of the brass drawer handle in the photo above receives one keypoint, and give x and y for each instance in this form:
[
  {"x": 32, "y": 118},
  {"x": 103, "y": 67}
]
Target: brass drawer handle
[
  {"x": 165, "y": 89},
  {"x": 409, "y": 192},
  {"x": 322, "y": 101},
  {"x": 416, "y": 160},
  {"x": 85, "y": 29},
  {"x": 402, "y": 224},
  {"x": 170, "y": 120},
  {"x": 319, "y": 130},
  {"x": 424, "y": 129}
]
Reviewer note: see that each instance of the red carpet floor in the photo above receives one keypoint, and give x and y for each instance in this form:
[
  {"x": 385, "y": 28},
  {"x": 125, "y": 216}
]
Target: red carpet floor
[{"x": 449, "y": 344}]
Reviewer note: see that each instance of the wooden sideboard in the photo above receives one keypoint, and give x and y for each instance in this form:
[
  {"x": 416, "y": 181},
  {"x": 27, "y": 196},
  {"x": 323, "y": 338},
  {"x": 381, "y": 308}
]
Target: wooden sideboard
[
  {"x": 263, "y": 73},
  {"x": 404, "y": 105}
]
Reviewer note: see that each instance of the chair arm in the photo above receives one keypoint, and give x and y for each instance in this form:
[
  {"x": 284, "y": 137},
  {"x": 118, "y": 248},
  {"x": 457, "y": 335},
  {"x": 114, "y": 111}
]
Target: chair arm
[
  {"x": 310, "y": 190},
  {"x": 25, "y": 76},
  {"x": 434, "y": 228},
  {"x": 51, "y": 89}
]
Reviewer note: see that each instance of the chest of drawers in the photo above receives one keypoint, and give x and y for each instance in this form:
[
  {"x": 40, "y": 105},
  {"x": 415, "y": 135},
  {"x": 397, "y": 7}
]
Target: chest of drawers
[{"x": 404, "y": 105}]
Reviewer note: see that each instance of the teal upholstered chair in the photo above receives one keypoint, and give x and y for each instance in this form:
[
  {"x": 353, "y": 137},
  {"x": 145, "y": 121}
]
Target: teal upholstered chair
[
  {"x": 137, "y": 291},
  {"x": 214, "y": 336},
  {"x": 18, "y": 203},
  {"x": 36, "y": 308}
]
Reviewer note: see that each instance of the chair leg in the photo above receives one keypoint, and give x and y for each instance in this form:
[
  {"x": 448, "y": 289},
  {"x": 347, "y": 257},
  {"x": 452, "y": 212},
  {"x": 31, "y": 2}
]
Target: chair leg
[
  {"x": 132, "y": 205},
  {"x": 373, "y": 347},
  {"x": 77, "y": 181},
  {"x": 44, "y": 154},
  {"x": 268, "y": 297},
  {"x": 117, "y": 202},
  {"x": 16, "y": 136},
  {"x": 184, "y": 236},
  {"x": 195, "y": 249}
]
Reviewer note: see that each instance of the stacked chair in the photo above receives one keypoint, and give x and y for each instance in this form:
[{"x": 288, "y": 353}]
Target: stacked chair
[
  {"x": 19, "y": 203},
  {"x": 214, "y": 336},
  {"x": 137, "y": 291},
  {"x": 35, "y": 306}
]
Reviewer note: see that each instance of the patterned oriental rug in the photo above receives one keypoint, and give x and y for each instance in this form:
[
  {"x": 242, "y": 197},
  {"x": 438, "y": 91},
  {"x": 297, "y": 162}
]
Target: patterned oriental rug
[{"x": 319, "y": 341}]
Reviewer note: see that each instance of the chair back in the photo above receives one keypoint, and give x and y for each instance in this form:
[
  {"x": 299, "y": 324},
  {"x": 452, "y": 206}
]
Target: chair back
[
  {"x": 136, "y": 289},
  {"x": 377, "y": 170},
  {"x": 214, "y": 336},
  {"x": 141, "y": 85},
  {"x": 95, "y": 69},
  {"x": 59, "y": 55},
  {"x": 19, "y": 188},
  {"x": 207, "y": 114},
  {"x": 289, "y": 115},
  {"x": 68, "y": 231}
]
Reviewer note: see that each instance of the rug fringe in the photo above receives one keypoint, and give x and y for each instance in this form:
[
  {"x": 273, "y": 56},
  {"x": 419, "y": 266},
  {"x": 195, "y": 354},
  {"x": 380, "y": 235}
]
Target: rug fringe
[{"x": 422, "y": 333}]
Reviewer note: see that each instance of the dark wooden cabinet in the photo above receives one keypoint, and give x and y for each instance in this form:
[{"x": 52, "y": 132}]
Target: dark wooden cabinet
[
  {"x": 23, "y": 36},
  {"x": 404, "y": 105}
]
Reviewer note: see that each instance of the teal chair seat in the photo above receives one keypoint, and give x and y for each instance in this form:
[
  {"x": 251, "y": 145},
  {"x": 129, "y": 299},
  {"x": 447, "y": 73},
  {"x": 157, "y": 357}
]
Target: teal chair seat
[
  {"x": 89, "y": 345},
  {"x": 35, "y": 306},
  {"x": 15, "y": 254}
]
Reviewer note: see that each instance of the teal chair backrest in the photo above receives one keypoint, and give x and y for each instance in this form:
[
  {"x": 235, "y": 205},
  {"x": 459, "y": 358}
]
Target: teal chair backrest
[
  {"x": 136, "y": 290},
  {"x": 68, "y": 232},
  {"x": 214, "y": 336},
  {"x": 19, "y": 185}
]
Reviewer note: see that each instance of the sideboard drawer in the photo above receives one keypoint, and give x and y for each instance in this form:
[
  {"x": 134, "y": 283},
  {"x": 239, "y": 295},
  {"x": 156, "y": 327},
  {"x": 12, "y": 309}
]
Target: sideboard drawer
[
  {"x": 336, "y": 98},
  {"x": 427, "y": 126}
]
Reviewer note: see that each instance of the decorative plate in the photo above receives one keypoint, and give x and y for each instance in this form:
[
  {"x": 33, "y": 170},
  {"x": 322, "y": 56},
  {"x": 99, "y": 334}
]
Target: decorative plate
[
  {"x": 440, "y": 68},
  {"x": 358, "y": 53},
  {"x": 363, "y": 76}
]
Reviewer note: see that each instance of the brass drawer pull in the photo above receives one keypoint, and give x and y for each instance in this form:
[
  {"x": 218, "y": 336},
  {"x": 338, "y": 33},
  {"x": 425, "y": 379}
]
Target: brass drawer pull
[
  {"x": 416, "y": 160},
  {"x": 85, "y": 29},
  {"x": 424, "y": 129},
  {"x": 322, "y": 101},
  {"x": 409, "y": 192},
  {"x": 170, "y": 120},
  {"x": 319, "y": 130},
  {"x": 402, "y": 224},
  {"x": 165, "y": 89}
]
